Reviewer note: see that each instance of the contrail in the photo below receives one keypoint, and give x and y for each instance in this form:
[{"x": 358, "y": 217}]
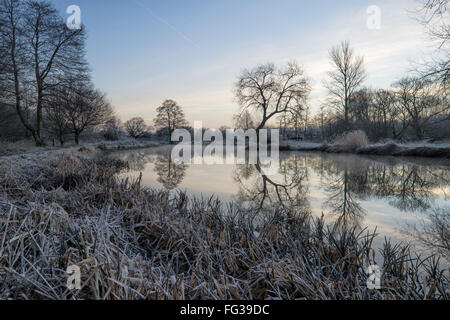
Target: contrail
[{"x": 163, "y": 21}]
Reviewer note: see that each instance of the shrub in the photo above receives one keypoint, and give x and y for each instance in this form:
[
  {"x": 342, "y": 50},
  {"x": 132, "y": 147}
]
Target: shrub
[
  {"x": 110, "y": 134},
  {"x": 352, "y": 141}
]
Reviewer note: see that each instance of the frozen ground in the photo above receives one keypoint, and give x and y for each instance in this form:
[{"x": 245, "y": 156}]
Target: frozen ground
[
  {"x": 418, "y": 149},
  {"x": 27, "y": 148}
]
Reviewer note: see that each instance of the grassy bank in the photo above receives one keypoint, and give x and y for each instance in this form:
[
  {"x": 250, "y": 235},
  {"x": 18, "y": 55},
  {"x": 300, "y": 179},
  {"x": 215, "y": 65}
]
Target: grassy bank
[
  {"x": 28, "y": 147},
  {"x": 132, "y": 242},
  {"x": 387, "y": 149}
]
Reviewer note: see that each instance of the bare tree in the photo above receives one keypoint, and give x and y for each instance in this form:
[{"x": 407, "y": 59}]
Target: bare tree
[
  {"x": 435, "y": 15},
  {"x": 272, "y": 91},
  {"x": 418, "y": 99},
  {"x": 13, "y": 50},
  {"x": 42, "y": 51},
  {"x": 244, "y": 120},
  {"x": 112, "y": 129},
  {"x": 57, "y": 121},
  {"x": 4, "y": 54},
  {"x": 85, "y": 107},
  {"x": 170, "y": 117},
  {"x": 54, "y": 51},
  {"x": 384, "y": 100},
  {"x": 298, "y": 120},
  {"x": 136, "y": 127},
  {"x": 347, "y": 76}
]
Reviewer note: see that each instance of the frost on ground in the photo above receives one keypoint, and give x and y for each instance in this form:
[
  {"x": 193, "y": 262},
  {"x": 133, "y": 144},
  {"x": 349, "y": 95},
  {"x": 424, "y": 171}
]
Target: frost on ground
[
  {"x": 27, "y": 148},
  {"x": 418, "y": 149}
]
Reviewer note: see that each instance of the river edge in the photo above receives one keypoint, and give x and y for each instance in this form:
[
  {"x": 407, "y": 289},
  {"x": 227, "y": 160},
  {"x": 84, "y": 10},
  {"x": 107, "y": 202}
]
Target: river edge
[
  {"x": 74, "y": 210},
  {"x": 393, "y": 149}
]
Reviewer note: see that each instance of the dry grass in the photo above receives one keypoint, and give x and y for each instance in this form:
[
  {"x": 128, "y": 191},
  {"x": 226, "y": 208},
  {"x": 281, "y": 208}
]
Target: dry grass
[
  {"x": 9, "y": 148},
  {"x": 351, "y": 141},
  {"x": 136, "y": 243}
]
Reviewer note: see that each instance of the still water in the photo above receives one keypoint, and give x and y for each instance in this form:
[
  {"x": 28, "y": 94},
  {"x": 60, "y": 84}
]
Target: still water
[{"x": 405, "y": 200}]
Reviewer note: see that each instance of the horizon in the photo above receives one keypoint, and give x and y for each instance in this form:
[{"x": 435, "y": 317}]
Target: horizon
[{"x": 193, "y": 55}]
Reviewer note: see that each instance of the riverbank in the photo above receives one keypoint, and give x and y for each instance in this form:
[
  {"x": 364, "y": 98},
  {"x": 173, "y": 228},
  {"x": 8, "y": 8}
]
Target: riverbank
[
  {"x": 28, "y": 148},
  {"x": 426, "y": 150},
  {"x": 132, "y": 242}
]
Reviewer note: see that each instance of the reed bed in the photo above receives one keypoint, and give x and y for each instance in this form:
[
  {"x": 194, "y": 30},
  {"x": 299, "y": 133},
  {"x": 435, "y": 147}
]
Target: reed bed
[
  {"x": 132, "y": 242},
  {"x": 350, "y": 142}
]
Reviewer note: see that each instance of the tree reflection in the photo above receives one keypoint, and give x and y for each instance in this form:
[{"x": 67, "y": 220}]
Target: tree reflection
[
  {"x": 411, "y": 189},
  {"x": 170, "y": 174},
  {"x": 342, "y": 200},
  {"x": 407, "y": 187},
  {"x": 284, "y": 191},
  {"x": 348, "y": 180},
  {"x": 433, "y": 233},
  {"x": 137, "y": 160}
]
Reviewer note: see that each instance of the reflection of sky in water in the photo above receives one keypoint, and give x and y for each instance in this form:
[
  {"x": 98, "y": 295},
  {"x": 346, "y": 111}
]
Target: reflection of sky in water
[
  {"x": 379, "y": 211},
  {"x": 199, "y": 180}
]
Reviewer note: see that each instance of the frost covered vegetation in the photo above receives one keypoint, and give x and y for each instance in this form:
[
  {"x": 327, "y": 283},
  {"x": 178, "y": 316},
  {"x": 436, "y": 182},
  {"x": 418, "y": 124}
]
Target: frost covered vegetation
[
  {"x": 132, "y": 242},
  {"x": 356, "y": 142},
  {"x": 351, "y": 141}
]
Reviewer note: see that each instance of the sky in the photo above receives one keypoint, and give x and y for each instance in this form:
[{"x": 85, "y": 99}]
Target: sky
[{"x": 145, "y": 51}]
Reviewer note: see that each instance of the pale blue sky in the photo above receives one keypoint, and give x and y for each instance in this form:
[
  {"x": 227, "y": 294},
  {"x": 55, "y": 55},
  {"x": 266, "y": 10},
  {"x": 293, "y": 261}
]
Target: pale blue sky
[{"x": 145, "y": 51}]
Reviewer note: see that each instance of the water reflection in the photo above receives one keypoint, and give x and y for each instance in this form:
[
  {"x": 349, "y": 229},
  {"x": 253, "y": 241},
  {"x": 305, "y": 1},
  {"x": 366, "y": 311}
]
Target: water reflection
[
  {"x": 170, "y": 174},
  {"x": 432, "y": 232},
  {"x": 285, "y": 191},
  {"x": 407, "y": 199},
  {"x": 342, "y": 191}
]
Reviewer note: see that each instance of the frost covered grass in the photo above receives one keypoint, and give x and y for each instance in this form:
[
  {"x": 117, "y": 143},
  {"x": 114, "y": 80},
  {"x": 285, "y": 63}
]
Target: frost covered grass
[
  {"x": 28, "y": 147},
  {"x": 9, "y": 148},
  {"x": 351, "y": 141},
  {"x": 132, "y": 242},
  {"x": 356, "y": 144}
]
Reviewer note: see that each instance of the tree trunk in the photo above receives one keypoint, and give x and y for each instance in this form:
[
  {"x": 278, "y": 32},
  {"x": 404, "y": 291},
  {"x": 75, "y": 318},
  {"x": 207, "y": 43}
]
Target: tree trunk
[
  {"x": 61, "y": 139},
  {"x": 39, "y": 125},
  {"x": 418, "y": 129},
  {"x": 17, "y": 84}
]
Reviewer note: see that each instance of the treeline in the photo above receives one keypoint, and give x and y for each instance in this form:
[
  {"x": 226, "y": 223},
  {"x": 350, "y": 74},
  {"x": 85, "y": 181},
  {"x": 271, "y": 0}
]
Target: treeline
[
  {"x": 414, "y": 108},
  {"x": 170, "y": 116},
  {"x": 45, "y": 81}
]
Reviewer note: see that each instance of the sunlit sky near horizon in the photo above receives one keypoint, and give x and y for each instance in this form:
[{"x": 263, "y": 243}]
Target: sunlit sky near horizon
[{"x": 145, "y": 51}]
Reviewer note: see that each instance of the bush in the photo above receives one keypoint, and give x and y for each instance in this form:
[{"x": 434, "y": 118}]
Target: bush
[
  {"x": 352, "y": 141},
  {"x": 110, "y": 134}
]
